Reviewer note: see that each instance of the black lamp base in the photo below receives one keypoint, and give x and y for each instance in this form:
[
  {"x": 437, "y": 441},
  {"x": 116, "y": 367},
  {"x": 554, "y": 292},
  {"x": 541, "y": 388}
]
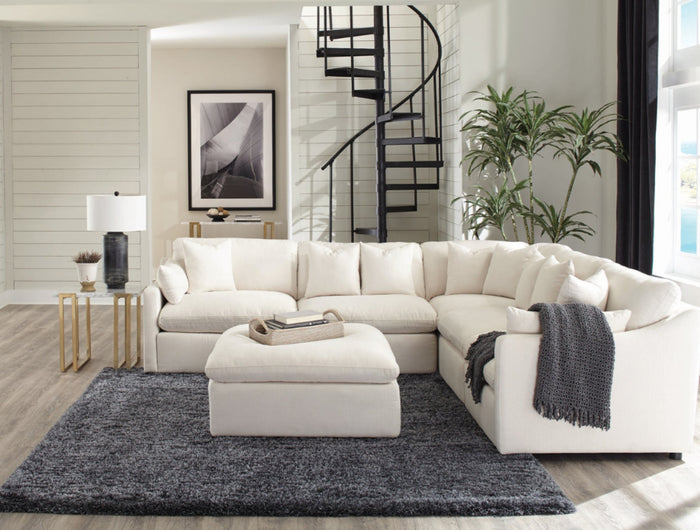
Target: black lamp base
[{"x": 116, "y": 259}]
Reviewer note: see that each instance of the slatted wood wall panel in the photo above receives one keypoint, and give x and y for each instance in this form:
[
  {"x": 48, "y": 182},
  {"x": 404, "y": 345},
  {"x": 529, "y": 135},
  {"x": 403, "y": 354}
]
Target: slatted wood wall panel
[
  {"x": 450, "y": 216},
  {"x": 77, "y": 129},
  {"x": 324, "y": 115}
]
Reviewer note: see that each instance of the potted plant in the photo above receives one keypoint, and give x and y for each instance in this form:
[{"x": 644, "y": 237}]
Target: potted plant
[
  {"x": 87, "y": 262},
  {"x": 513, "y": 128}
]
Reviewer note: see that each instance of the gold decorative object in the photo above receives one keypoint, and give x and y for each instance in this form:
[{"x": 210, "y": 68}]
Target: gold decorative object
[{"x": 87, "y": 287}]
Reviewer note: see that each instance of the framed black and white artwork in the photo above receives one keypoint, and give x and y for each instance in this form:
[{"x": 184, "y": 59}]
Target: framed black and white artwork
[{"x": 231, "y": 149}]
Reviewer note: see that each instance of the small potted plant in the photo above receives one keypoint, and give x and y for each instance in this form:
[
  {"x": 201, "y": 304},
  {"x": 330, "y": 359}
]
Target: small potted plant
[{"x": 87, "y": 262}]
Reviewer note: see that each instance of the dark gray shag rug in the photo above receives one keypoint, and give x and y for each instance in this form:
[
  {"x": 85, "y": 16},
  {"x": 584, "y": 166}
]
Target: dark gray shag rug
[{"x": 139, "y": 444}]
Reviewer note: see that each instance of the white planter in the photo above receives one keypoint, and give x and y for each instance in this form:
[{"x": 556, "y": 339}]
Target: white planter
[{"x": 87, "y": 272}]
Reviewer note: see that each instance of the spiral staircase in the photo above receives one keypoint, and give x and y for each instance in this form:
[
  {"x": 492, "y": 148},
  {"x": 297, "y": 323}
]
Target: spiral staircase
[{"x": 421, "y": 107}]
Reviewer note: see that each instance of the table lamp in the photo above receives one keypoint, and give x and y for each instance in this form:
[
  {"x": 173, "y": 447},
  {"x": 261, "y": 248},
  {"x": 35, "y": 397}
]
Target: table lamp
[{"x": 116, "y": 214}]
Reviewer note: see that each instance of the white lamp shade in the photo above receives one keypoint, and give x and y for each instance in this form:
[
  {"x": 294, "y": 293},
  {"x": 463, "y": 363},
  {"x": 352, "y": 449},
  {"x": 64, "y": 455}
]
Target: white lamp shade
[{"x": 116, "y": 213}]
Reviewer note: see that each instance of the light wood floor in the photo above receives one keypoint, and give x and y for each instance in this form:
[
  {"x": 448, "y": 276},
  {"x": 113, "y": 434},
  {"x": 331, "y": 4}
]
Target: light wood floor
[{"x": 610, "y": 491}]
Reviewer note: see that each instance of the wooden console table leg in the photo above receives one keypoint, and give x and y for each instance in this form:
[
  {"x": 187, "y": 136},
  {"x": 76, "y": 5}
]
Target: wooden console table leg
[
  {"x": 195, "y": 229},
  {"x": 271, "y": 226}
]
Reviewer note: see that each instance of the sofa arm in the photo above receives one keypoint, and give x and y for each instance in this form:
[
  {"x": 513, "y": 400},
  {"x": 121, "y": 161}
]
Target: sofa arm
[
  {"x": 152, "y": 304},
  {"x": 653, "y": 401}
]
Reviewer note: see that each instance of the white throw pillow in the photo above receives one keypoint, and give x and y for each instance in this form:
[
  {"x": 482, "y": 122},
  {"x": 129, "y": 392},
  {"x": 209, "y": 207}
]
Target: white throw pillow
[
  {"x": 506, "y": 266},
  {"x": 466, "y": 269},
  {"x": 593, "y": 290},
  {"x": 172, "y": 280},
  {"x": 333, "y": 270},
  {"x": 521, "y": 321},
  {"x": 523, "y": 293},
  {"x": 549, "y": 280},
  {"x": 209, "y": 266},
  {"x": 386, "y": 270}
]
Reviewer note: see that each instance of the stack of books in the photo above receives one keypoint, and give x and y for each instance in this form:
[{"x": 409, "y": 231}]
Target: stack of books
[
  {"x": 296, "y": 319},
  {"x": 247, "y": 218}
]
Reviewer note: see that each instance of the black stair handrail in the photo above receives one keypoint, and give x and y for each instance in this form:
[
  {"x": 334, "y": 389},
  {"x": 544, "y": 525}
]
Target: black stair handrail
[{"x": 425, "y": 82}]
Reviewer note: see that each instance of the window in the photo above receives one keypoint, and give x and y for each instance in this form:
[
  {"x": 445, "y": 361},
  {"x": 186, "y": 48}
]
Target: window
[{"x": 677, "y": 205}]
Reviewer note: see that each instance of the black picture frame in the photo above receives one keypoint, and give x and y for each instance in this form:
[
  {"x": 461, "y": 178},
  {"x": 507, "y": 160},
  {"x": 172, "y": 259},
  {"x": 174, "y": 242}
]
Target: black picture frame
[{"x": 231, "y": 149}]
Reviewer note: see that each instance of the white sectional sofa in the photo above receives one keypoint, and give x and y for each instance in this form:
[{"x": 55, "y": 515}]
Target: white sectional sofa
[{"x": 431, "y": 301}]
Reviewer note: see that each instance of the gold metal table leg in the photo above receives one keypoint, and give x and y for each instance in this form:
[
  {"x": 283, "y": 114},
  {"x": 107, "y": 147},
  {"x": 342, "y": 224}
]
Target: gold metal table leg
[
  {"x": 115, "y": 310},
  {"x": 138, "y": 330},
  {"x": 271, "y": 226},
  {"x": 195, "y": 229},
  {"x": 75, "y": 332},
  {"x": 118, "y": 363}
]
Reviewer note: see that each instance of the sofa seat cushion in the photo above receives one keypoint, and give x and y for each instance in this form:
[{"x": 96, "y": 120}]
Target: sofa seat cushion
[
  {"x": 215, "y": 312},
  {"x": 362, "y": 355},
  {"x": 390, "y": 313},
  {"x": 463, "y": 317}
]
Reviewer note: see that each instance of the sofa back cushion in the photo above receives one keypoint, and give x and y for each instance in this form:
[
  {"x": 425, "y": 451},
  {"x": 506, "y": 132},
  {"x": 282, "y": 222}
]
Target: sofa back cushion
[
  {"x": 650, "y": 299},
  {"x": 208, "y": 266},
  {"x": 387, "y": 269},
  {"x": 416, "y": 263},
  {"x": 333, "y": 271},
  {"x": 258, "y": 264},
  {"x": 466, "y": 269},
  {"x": 435, "y": 262}
]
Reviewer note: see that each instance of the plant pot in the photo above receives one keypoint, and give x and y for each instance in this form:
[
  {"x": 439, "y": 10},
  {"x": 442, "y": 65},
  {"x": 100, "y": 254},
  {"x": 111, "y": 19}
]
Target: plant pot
[{"x": 87, "y": 275}]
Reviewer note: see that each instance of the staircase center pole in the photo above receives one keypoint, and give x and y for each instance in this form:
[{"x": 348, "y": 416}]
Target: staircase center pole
[{"x": 380, "y": 127}]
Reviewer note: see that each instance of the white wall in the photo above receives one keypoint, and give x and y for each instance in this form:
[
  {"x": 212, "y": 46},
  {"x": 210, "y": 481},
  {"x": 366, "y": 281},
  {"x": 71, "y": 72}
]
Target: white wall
[
  {"x": 449, "y": 215},
  {"x": 567, "y": 51},
  {"x": 75, "y": 125},
  {"x": 324, "y": 115},
  {"x": 3, "y": 231},
  {"x": 173, "y": 73}
]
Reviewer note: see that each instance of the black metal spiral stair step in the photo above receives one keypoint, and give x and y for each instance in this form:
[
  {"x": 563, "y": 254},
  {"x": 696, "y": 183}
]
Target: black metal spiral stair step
[
  {"x": 344, "y": 33},
  {"x": 347, "y": 52},
  {"x": 369, "y": 93},
  {"x": 414, "y": 163},
  {"x": 346, "y": 71},
  {"x": 366, "y": 231},
  {"x": 402, "y": 208},
  {"x": 398, "y": 116},
  {"x": 411, "y": 186},
  {"x": 411, "y": 140}
]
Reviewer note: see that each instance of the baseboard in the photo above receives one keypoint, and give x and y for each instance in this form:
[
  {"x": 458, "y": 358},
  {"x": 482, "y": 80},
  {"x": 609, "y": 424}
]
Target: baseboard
[
  {"x": 39, "y": 297},
  {"x": 5, "y": 298}
]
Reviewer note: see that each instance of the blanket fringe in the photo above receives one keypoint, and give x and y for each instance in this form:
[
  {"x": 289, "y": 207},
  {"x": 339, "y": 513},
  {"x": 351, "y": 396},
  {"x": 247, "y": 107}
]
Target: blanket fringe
[{"x": 573, "y": 415}]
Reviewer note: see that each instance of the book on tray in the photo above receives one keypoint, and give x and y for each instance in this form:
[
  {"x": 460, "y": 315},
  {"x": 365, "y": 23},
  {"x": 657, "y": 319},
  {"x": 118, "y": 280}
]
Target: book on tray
[
  {"x": 275, "y": 324},
  {"x": 298, "y": 317},
  {"x": 247, "y": 218}
]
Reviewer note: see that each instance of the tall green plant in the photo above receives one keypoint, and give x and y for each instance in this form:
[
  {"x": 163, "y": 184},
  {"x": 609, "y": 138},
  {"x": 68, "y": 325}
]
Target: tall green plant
[
  {"x": 496, "y": 136},
  {"x": 582, "y": 136},
  {"x": 519, "y": 126}
]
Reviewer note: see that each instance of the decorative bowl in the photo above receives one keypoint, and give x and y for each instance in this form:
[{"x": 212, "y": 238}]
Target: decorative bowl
[{"x": 218, "y": 218}]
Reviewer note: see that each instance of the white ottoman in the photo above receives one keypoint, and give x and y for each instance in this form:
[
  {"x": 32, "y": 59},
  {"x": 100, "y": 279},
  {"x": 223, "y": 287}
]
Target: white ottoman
[{"x": 338, "y": 387}]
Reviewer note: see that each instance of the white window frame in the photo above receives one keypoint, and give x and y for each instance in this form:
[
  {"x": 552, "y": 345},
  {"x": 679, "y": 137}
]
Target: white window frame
[{"x": 679, "y": 89}]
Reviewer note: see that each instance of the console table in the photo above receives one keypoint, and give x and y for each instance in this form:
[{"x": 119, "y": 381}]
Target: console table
[
  {"x": 131, "y": 293},
  {"x": 268, "y": 227}
]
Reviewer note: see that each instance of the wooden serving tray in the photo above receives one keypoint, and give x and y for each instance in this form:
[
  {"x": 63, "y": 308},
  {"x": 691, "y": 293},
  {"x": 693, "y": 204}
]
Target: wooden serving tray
[{"x": 259, "y": 331}]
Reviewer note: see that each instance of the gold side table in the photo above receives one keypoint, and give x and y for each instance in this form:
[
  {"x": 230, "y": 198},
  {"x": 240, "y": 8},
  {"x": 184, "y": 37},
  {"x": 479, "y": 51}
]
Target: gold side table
[{"x": 132, "y": 293}]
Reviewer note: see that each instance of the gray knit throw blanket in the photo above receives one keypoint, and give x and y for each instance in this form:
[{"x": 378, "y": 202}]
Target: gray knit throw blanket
[
  {"x": 479, "y": 353},
  {"x": 575, "y": 367}
]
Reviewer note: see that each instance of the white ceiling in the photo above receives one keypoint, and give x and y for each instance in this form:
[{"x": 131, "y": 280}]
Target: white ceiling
[
  {"x": 179, "y": 23},
  {"x": 173, "y": 22}
]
